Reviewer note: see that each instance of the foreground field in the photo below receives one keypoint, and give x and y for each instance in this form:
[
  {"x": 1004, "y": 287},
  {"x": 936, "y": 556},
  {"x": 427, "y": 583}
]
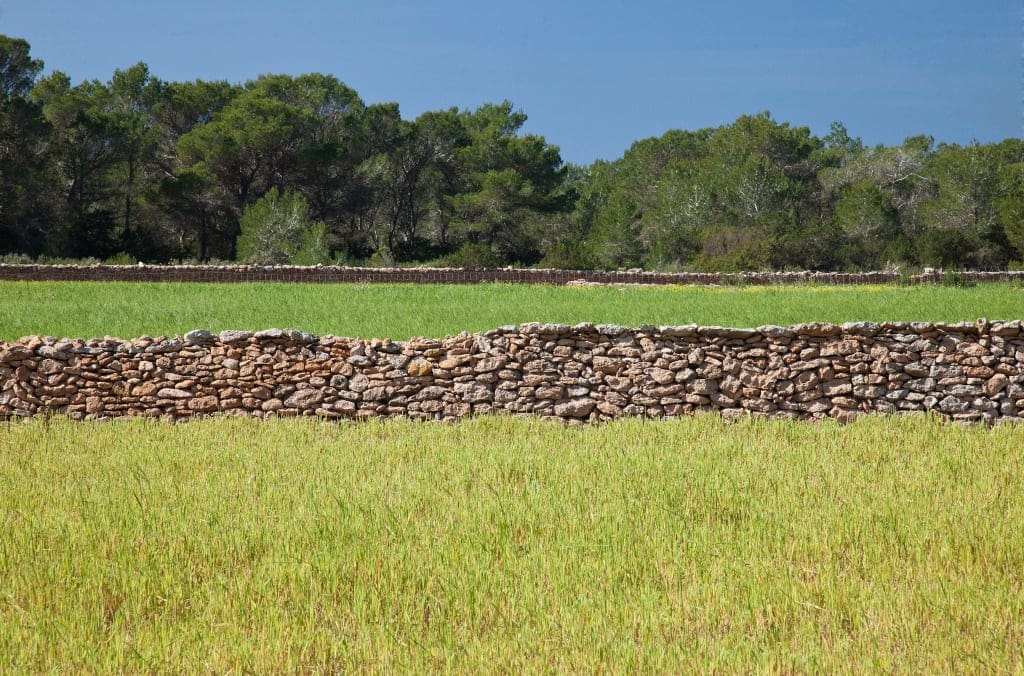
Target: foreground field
[
  {"x": 886, "y": 545},
  {"x": 85, "y": 309}
]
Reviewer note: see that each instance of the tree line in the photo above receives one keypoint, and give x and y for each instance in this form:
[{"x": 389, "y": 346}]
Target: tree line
[{"x": 299, "y": 169}]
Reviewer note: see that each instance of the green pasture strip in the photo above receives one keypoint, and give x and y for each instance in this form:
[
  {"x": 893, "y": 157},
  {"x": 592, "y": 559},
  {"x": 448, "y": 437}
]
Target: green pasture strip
[
  {"x": 400, "y": 311},
  {"x": 892, "y": 544}
]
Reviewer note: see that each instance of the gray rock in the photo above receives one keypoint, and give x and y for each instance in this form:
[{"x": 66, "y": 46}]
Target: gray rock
[
  {"x": 610, "y": 329},
  {"x": 232, "y": 336},
  {"x": 575, "y": 408},
  {"x": 173, "y": 393},
  {"x": 472, "y": 393},
  {"x": 953, "y": 404},
  {"x": 197, "y": 337},
  {"x": 268, "y": 334}
]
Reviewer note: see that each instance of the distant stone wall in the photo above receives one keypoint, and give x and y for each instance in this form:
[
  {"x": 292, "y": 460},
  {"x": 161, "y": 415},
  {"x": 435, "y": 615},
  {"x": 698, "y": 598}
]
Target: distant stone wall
[
  {"x": 337, "y": 274},
  {"x": 965, "y": 371}
]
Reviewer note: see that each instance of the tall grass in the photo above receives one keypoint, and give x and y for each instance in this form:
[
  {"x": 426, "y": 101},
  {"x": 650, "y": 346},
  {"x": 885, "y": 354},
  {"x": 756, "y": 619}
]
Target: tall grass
[
  {"x": 82, "y": 309},
  {"x": 885, "y": 545}
]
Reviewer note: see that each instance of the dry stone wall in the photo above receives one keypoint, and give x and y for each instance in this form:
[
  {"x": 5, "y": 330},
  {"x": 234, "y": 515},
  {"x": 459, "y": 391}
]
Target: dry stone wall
[
  {"x": 967, "y": 371},
  {"x": 340, "y": 274}
]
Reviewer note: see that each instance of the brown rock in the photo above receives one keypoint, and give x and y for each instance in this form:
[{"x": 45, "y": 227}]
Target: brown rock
[
  {"x": 419, "y": 367},
  {"x": 455, "y": 361},
  {"x": 703, "y": 386},
  {"x": 272, "y": 405},
  {"x": 145, "y": 389},
  {"x": 203, "y": 404},
  {"x": 550, "y": 392},
  {"x": 49, "y": 366},
  {"x": 995, "y": 384},
  {"x": 836, "y": 387},
  {"x": 662, "y": 376},
  {"x": 379, "y": 393},
  {"x": 606, "y": 365},
  {"x": 575, "y": 408},
  {"x": 304, "y": 399},
  {"x": 473, "y": 393},
  {"x": 489, "y": 364}
]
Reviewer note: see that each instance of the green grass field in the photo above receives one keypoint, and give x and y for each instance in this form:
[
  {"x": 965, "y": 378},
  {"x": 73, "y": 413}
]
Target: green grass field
[
  {"x": 892, "y": 544},
  {"x": 88, "y": 309},
  {"x": 503, "y": 544}
]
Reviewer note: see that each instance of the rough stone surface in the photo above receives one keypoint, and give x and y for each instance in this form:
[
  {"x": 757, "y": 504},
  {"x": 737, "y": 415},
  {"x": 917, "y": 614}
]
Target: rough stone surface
[{"x": 966, "y": 371}]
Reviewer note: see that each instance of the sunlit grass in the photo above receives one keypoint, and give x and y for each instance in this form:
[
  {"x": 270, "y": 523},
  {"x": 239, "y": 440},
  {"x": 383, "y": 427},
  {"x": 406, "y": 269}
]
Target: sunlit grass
[
  {"x": 235, "y": 545},
  {"x": 399, "y": 311}
]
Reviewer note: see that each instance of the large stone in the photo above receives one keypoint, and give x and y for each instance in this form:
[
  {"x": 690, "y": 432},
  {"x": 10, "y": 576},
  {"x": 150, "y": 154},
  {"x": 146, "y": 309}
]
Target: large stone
[
  {"x": 550, "y": 392},
  {"x": 304, "y": 399},
  {"x": 837, "y": 387},
  {"x": 379, "y": 393},
  {"x": 145, "y": 389},
  {"x": 272, "y": 405},
  {"x": 197, "y": 337},
  {"x": 430, "y": 393},
  {"x": 868, "y": 391},
  {"x": 575, "y": 408},
  {"x": 203, "y": 404},
  {"x": 419, "y": 367},
  {"x": 472, "y": 393},
  {"x": 231, "y": 336},
  {"x": 995, "y": 384},
  {"x": 93, "y": 404},
  {"x": 703, "y": 386},
  {"x": 489, "y": 364},
  {"x": 662, "y": 376},
  {"x": 607, "y": 365},
  {"x": 49, "y": 366},
  {"x": 455, "y": 361},
  {"x": 953, "y": 404},
  {"x": 173, "y": 393}
]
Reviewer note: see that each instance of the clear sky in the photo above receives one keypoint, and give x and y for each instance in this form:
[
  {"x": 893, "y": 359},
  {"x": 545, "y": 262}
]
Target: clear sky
[{"x": 593, "y": 76}]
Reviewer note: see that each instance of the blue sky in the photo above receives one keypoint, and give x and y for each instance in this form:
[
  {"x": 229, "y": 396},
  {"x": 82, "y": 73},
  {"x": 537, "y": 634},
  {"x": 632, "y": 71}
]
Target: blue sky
[{"x": 592, "y": 76}]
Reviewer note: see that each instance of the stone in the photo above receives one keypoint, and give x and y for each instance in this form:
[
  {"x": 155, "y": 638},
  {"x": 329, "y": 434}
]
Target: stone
[
  {"x": 575, "y": 408},
  {"x": 489, "y": 364},
  {"x": 93, "y": 404},
  {"x": 379, "y": 393},
  {"x": 204, "y": 404},
  {"x": 231, "y": 336},
  {"x": 49, "y": 366},
  {"x": 145, "y": 389},
  {"x": 662, "y": 376},
  {"x": 304, "y": 399},
  {"x": 995, "y": 384},
  {"x": 972, "y": 350},
  {"x": 419, "y": 367},
  {"x": 953, "y": 404},
  {"x": 398, "y": 361},
  {"x": 272, "y": 405},
  {"x": 358, "y": 383},
  {"x": 197, "y": 337},
  {"x": 550, "y": 392},
  {"x": 173, "y": 393},
  {"x": 868, "y": 391},
  {"x": 606, "y": 365},
  {"x": 430, "y": 393},
  {"x": 703, "y": 386},
  {"x": 837, "y": 387},
  {"x": 472, "y": 393}
]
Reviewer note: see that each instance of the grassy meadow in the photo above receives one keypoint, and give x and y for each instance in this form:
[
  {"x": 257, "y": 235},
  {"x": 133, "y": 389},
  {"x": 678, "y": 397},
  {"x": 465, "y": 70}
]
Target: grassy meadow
[
  {"x": 400, "y": 311},
  {"x": 891, "y": 544},
  {"x": 508, "y": 544}
]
